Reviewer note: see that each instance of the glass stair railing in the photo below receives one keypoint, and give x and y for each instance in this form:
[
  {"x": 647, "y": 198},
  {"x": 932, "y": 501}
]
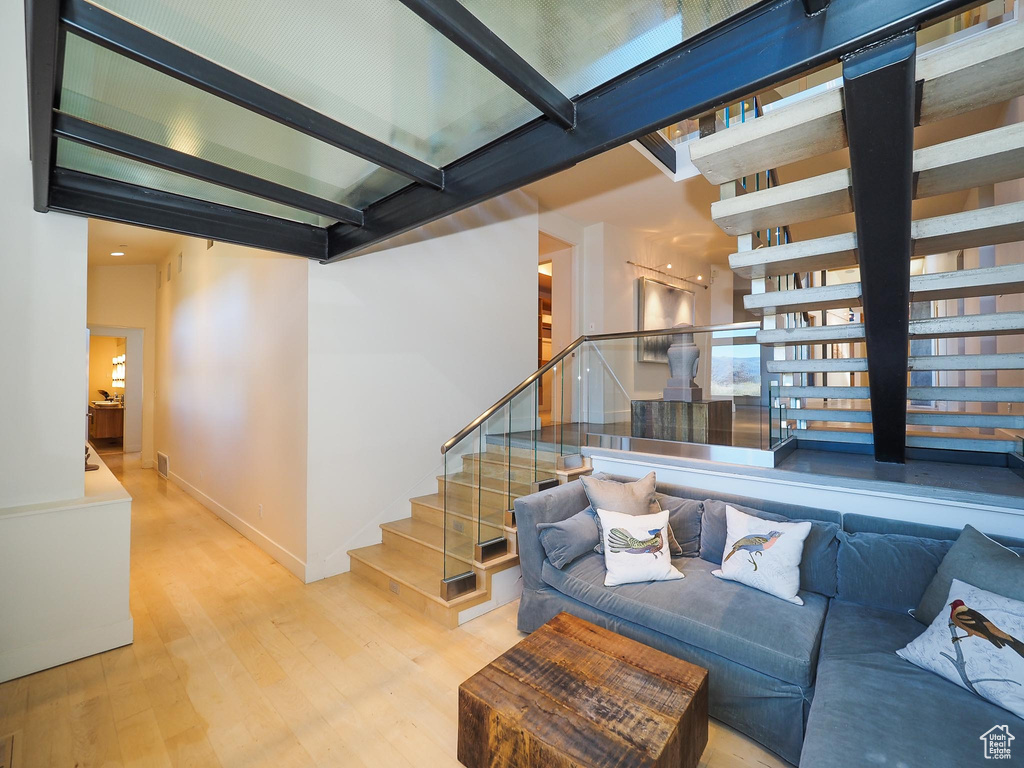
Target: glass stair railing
[{"x": 527, "y": 442}]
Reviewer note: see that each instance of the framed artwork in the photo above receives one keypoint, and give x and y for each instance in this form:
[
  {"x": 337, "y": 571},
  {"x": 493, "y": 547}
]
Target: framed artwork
[{"x": 660, "y": 306}]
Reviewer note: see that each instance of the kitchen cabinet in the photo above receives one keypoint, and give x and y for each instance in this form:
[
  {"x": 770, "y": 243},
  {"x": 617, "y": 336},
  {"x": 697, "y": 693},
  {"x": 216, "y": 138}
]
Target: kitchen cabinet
[{"x": 106, "y": 421}]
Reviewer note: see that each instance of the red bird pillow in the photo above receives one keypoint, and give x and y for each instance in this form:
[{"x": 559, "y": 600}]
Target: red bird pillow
[{"x": 977, "y": 642}]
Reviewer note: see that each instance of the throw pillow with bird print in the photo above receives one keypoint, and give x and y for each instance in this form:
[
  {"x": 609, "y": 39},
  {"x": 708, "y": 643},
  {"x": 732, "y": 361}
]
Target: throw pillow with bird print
[
  {"x": 636, "y": 548},
  {"x": 763, "y": 554},
  {"x": 977, "y": 642}
]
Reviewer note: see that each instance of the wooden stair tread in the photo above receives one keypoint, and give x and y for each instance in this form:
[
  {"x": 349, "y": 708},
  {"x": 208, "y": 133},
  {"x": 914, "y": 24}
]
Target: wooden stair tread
[
  {"x": 487, "y": 483},
  {"x": 498, "y": 460},
  {"x": 433, "y": 537},
  {"x": 425, "y": 578},
  {"x": 982, "y": 158},
  {"x": 984, "y": 69},
  {"x": 457, "y": 508},
  {"x": 939, "y": 286},
  {"x": 966, "y": 229}
]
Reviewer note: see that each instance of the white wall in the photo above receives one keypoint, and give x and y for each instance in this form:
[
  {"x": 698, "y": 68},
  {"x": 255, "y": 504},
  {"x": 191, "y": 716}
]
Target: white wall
[
  {"x": 406, "y": 346},
  {"x": 125, "y": 297},
  {"x": 610, "y": 305},
  {"x": 42, "y": 310},
  {"x": 231, "y": 388},
  {"x": 63, "y": 542}
]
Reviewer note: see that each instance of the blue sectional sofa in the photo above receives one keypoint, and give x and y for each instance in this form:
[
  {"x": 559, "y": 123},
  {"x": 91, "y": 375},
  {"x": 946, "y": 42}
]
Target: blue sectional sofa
[{"x": 818, "y": 684}]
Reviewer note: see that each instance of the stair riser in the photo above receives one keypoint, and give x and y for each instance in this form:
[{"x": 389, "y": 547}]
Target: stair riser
[
  {"x": 488, "y": 499},
  {"x": 410, "y": 597},
  {"x": 519, "y": 475},
  {"x": 410, "y": 547},
  {"x": 490, "y": 527},
  {"x": 525, "y": 455}
]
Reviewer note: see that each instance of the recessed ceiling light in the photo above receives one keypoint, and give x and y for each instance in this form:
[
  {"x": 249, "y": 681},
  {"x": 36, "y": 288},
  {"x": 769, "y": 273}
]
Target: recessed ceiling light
[
  {"x": 669, "y": 266},
  {"x": 700, "y": 277},
  {"x": 117, "y": 253}
]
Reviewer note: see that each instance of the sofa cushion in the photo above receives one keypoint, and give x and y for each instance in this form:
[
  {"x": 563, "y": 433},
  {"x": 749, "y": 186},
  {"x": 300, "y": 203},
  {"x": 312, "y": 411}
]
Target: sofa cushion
[
  {"x": 731, "y": 620},
  {"x": 818, "y": 564},
  {"x": 872, "y": 708},
  {"x": 979, "y": 561},
  {"x": 887, "y": 570},
  {"x": 568, "y": 539},
  {"x": 684, "y": 520}
]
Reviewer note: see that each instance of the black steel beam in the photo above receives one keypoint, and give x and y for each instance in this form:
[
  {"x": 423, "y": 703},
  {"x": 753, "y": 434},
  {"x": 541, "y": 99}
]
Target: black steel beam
[
  {"x": 92, "y": 135},
  {"x": 454, "y": 21},
  {"x": 43, "y": 49},
  {"x": 880, "y": 100},
  {"x": 768, "y": 43},
  {"x": 116, "y": 34},
  {"x": 658, "y": 146},
  {"x": 816, "y": 6},
  {"x": 87, "y": 195}
]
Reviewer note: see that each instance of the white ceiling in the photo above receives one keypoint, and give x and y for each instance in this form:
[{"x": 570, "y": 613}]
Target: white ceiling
[
  {"x": 140, "y": 245},
  {"x": 623, "y": 188}
]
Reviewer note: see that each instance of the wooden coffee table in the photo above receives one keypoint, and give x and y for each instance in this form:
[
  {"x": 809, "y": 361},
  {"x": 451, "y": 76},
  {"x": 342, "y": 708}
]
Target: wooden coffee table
[{"x": 573, "y": 694}]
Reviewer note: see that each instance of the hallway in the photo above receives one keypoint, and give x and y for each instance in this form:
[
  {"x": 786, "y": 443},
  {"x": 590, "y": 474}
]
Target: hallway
[{"x": 237, "y": 663}]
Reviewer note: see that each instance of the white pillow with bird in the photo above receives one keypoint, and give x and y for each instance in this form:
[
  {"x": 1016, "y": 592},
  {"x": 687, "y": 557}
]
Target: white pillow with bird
[
  {"x": 636, "y": 548},
  {"x": 977, "y": 642},
  {"x": 763, "y": 554}
]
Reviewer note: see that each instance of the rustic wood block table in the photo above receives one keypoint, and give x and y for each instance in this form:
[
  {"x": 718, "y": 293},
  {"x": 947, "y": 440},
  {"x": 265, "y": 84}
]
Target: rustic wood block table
[{"x": 573, "y": 694}]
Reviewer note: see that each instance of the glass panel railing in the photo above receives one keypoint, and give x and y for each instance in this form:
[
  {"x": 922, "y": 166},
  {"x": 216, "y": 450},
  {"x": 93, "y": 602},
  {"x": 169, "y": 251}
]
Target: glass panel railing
[
  {"x": 779, "y": 428},
  {"x": 632, "y": 390},
  {"x": 602, "y": 386},
  {"x": 498, "y": 481},
  {"x": 461, "y": 493}
]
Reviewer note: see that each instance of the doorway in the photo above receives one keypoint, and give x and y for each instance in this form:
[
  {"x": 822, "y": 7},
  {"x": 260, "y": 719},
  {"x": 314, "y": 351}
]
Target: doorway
[
  {"x": 554, "y": 316},
  {"x": 114, "y": 404},
  {"x": 107, "y": 358}
]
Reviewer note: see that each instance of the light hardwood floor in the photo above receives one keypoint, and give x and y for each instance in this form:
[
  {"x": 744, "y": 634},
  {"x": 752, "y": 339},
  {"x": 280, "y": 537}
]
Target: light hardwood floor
[{"x": 236, "y": 663}]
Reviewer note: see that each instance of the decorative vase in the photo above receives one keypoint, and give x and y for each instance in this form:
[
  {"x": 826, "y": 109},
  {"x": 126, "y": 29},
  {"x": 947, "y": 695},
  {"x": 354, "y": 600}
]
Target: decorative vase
[{"x": 683, "y": 360}]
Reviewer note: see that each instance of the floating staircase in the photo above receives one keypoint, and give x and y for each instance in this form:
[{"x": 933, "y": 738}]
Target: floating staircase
[
  {"x": 828, "y": 395},
  {"x": 417, "y": 552}
]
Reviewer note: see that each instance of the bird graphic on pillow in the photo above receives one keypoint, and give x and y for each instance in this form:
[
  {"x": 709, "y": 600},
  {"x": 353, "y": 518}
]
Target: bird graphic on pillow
[
  {"x": 974, "y": 623},
  {"x": 755, "y": 544},
  {"x": 620, "y": 540}
]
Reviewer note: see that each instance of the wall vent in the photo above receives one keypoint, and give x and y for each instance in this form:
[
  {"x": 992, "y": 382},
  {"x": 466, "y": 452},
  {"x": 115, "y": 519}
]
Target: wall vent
[{"x": 163, "y": 464}]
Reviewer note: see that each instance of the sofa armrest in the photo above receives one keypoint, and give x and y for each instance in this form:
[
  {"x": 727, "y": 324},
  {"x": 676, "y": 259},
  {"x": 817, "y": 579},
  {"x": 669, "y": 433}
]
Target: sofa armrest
[{"x": 550, "y": 506}]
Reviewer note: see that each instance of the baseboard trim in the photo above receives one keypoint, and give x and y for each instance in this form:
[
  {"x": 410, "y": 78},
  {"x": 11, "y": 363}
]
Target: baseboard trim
[
  {"x": 69, "y": 646},
  {"x": 294, "y": 564}
]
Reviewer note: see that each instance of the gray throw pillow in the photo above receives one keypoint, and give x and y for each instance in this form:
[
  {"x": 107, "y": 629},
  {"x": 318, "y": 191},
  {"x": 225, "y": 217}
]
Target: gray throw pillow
[
  {"x": 976, "y": 560},
  {"x": 569, "y": 539},
  {"x": 636, "y": 498}
]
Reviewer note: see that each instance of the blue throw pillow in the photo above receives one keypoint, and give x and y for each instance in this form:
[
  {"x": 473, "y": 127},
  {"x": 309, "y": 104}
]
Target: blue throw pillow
[{"x": 569, "y": 539}]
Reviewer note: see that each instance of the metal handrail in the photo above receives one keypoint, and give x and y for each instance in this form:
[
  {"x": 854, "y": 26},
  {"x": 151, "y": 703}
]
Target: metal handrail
[{"x": 450, "y": 443}]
